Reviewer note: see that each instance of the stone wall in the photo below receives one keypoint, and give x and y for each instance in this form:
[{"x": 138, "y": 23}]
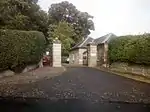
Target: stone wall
[
  {"x": 76, "y": 56},
  {"x": 81, "y": 51},
  {"x": 102, "y": 55},
  {"x": 134, "y": 69},
  {"x": 85, "y": 61},
  {"x": 56, "y": 55},
  {"x": 73, "y": 56},
  {"x": 92, "y": 55}
]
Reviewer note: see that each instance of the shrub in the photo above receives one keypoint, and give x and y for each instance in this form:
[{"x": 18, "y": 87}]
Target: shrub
[
  {"x": 131, "y": 49},
  {"x": 20, "y": 48}
]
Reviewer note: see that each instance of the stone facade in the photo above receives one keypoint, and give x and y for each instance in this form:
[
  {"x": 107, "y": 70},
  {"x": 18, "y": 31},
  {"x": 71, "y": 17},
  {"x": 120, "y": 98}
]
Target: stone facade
[
  {"x": 76, "y": 56},
  {"x": 56, "y": 54},
  {"x": 85, "y": 61},
  {"x": 102, "y": 54},
  {"x": 96, "y": 55},
  {"x": 81, "y": 51},
  {"x": 106, "y": 64},
  {"x": 73, "y": 56},
  {"x": 92, "y": 55},
  {"x": 100, "y": 48}
]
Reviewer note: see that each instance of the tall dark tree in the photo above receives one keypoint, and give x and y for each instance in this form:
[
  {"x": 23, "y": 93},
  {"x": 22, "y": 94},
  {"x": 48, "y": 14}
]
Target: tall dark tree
[
  {"x": 22, "y": 15},
  {"x": 65, "y": 11}
]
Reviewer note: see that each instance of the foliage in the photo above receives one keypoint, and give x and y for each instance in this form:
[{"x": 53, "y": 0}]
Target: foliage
[
  {"x": 63, "y": 31},
  {"x": 65, "y": 11},
  {"x": 20, "y": 48},
  {"x": 22, "y": 15},
  {"x": 131, "y": 49}
]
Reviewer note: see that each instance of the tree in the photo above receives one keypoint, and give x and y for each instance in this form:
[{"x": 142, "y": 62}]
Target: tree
[
  {"x": 63, "y": 31},
  {"x": 65, "y": 11},
  {"x": 22, "y": 15}
]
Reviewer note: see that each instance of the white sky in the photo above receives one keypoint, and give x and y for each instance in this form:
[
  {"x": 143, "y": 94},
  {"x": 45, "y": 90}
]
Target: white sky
[{"x": 121, "y": 17}]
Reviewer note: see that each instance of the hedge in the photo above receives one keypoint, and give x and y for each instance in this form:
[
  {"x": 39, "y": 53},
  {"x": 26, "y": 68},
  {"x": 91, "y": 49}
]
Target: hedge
[
  {"x": 131, "y": 49},
  {"x": 20, "y": 48}
]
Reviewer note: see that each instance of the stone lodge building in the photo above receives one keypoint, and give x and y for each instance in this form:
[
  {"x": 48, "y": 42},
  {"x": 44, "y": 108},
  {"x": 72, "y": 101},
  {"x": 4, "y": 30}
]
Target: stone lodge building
[{"x": 94, "y": 47}]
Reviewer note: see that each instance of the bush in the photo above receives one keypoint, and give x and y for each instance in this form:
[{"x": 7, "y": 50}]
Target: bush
[
  {"x": 131, "y": 49},
  {"x": 20, "y": 48}
]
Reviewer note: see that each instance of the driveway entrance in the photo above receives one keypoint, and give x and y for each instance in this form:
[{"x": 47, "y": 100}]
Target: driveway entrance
[{"x": 80, "y": 89}]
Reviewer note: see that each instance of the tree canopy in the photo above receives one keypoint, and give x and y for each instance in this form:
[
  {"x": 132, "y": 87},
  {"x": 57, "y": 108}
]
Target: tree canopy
[
  {"x": 22, "y": 15},
  {"x": 65, "y": 11},
  {"x": 63, "y": 31},
  {"x": 63, "y": 20}
]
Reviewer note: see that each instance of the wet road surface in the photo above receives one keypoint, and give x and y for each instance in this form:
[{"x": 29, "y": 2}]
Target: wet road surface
[{"x": 76, "y": 90}]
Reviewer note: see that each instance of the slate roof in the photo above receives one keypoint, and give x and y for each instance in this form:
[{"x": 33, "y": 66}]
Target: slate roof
[
  {"x": 103, "y": 39},
  {"x": 83, "y": 43}
]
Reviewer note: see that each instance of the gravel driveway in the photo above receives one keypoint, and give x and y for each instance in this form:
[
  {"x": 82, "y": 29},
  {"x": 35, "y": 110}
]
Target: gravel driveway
[{"x": 87, "y": 85}]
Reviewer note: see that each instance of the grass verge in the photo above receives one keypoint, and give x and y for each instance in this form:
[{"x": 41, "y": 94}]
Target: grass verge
[{"x": 127, "y": 75}]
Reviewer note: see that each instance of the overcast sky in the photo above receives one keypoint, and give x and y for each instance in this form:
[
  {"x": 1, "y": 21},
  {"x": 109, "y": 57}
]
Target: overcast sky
[{"x": 121, "y": 17}]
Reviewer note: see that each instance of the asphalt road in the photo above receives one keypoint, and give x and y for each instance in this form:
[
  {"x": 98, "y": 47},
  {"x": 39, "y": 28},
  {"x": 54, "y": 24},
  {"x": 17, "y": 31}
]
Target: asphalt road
[{"x": 78, "y": 89}]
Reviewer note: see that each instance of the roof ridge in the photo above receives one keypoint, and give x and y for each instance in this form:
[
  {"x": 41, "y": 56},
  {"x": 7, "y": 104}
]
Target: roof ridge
[
  {"x": 109, "y": 35},
  {"x": 106, "y": 35},
  {"x": 84, "y": 41}
]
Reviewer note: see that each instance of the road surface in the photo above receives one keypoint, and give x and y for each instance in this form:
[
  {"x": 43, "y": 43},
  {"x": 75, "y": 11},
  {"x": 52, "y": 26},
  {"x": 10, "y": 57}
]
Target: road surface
[{"x": 78, "y": 89}]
